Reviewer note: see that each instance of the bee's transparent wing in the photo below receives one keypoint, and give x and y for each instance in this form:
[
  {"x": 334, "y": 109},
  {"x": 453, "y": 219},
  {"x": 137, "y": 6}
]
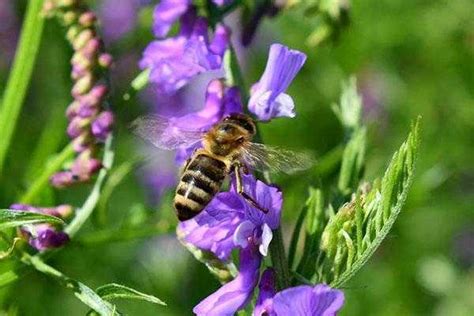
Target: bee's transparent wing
[
  {"x": 266, "y": 158},
  {"x": 163, "y": 133}
]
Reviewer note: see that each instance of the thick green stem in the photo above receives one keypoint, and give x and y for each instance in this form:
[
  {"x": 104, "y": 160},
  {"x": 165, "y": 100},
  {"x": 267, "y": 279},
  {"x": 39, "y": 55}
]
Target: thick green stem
[
  {"x": 42, "y": 180},
  {"x": 20, "y": 75},
  {"x": 234, "y": 77}
]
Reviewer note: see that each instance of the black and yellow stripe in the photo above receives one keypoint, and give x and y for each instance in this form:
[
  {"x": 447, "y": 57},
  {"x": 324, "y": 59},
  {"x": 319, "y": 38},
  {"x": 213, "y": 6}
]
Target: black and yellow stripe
[{"x": 200, "y": 181}]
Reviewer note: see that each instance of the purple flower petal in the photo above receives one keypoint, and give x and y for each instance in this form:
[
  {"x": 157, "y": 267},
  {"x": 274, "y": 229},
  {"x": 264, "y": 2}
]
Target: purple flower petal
[
  {"x": 267, "y": 236},
  {"x": 237, "y": 293},
  {"x": 320, "y": 300},
  {"x": 242, "y": 233},
  {"x": 166, "y": 13},
  {"x": 268, "y": 197},
  {"x": 213, "y": 229},
  {"x": 46, "y": 237},
  {"x": 266, "y": 292},
  {"x": 268, "y": 99}
]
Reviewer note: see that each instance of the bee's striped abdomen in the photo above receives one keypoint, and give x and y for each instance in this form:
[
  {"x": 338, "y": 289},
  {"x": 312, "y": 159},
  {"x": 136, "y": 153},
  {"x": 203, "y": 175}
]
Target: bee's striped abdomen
[{"x": 201, "y": 180}]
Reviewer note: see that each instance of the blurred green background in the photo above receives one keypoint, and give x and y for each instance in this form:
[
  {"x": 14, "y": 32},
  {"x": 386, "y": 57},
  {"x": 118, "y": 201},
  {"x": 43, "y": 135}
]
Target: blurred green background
[{"x": 410, "y": 58}]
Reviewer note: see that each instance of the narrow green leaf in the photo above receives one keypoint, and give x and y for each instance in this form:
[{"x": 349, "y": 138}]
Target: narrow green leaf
[
  {"x": 13, "y": 218},
  {"x": 81, "y": 291},
  {"x": 295, "y": 237},
  {"x": 381, "y": 209},
  {"x": 20, "y": 75},
  {"x": 352, "y": 161},
  {"x": 113, "y": 291}
]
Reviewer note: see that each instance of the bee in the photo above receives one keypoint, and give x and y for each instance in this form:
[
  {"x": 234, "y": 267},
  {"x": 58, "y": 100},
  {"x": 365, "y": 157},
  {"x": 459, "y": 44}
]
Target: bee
[{"x": 227, "y": 148}]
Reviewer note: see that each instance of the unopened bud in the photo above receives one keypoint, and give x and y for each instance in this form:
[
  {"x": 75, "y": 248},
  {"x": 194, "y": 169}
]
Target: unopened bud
[
  {"x": 83, "y": 85},
  {"x": 82, "y": 38},
  {"x": 105, "y": 60},
  {"x": 69, "y": 17},
  {"x": 87, "y": 19}
]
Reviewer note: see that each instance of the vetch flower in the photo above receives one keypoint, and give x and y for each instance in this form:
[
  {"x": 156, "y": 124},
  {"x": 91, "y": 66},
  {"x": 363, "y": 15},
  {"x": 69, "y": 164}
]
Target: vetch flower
[
  {"x": 304, "y": 300},
  {"x": 44, "y": 236},
  {"x": 175, "y": 61},
  {"x": 166, "y": 13},
  {"x": 268, "y": 98},
  {"x": 229, "y": 221},
  {"x": 220, "y": 101},
  {"x": 234, "y": 295}
]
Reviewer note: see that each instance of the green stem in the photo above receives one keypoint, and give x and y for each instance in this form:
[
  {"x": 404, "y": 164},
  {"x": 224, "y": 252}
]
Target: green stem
[
  {"x": 83, "y": 213},
  {"x": 234, "y": 77},
  {"x": 42, "y": 180},
  {"x": 20, "y": 75}
]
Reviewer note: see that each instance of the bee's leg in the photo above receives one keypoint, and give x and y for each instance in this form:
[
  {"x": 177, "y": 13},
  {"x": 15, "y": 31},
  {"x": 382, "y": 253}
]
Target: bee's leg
[{"x": 240, "y": 189}]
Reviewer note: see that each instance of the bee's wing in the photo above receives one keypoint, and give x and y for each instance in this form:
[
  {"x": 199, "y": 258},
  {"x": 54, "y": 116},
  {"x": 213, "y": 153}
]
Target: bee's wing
[
  {"x": 266, "y": 158},
  {"x": 162, "y": 133}
]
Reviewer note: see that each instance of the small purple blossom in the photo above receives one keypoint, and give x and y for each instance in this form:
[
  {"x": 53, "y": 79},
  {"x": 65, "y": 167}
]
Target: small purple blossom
[
  {"x": 268, "y": 98},
  {"x": 234, "y": 295},
  {"x": 44, "y": 236},
  {"x": 166, "y": 13},
  {"x": 229, "y": 221},
  {"x": 220, "y": 102},
  {"x": 102, "y": 125},
  {"x": 174, "y": 61},
  {"x": 318, "y": 300}
]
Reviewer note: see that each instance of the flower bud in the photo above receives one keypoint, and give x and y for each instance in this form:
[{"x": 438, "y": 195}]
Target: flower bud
[
  {"x": 82, "y": 38},
  {"x": 105, "y": 60},
  {"x": 69, "y": 17},
  {"x": 83, "y": 85},
  {"x": 87, "y": 19},
  {"x": 82, "y": 142},
  {"x": 76, "y": 126},
  {"x": 43, "y": 237},
  {"x": 62, "y": 179},
  {"x": 102, "y": 126},
  {"x": 72, "y": 32}
]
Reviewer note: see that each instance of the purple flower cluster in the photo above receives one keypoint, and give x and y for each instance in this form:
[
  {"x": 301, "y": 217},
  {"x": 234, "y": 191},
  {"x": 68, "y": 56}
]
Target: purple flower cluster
[
  {"x": 44, "y": 236},
  {"x": 89, "y": 123},
  {"x": 229, "y": 223},
  {"x": 318, "y": 300},
  {"x": 174, "y": 61}
]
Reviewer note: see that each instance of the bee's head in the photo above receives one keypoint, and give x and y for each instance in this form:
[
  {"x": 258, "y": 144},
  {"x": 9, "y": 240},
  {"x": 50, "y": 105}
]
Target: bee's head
[{"x": 230, "y": 134}]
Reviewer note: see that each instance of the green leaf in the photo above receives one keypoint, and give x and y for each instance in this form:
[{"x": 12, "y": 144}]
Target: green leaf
[
  {"x": 113, "y": 291},
  {"x": 352, "y": 162},
  {"x": 20, "y": 75},
  {"x": 81, "y": 291},
  {"x": 359, "y": 227},
  {"x": 12, "y": 218},
  {"x": 349, "y": 108}
]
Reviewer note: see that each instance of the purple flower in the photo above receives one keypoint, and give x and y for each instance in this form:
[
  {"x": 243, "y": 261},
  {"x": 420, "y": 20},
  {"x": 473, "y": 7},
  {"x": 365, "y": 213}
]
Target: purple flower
[
  {"x": 318, "y": 300},
  {"x": 229, "y": 221},
  {"x": 118, "y": 17},
  {"x": 221, "y": 2},
  {"x": 234, "y": 295},
  {"x": 266, "y": 292},
  {"x": 45, "y": 236},
  {"x": 174, "y": 61},
  {"x": 166, "y": 13},
  {"x": 102, "y": 126},
  {"x": 220, "y": 101},
  {"x": 268, "y": 98}
]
